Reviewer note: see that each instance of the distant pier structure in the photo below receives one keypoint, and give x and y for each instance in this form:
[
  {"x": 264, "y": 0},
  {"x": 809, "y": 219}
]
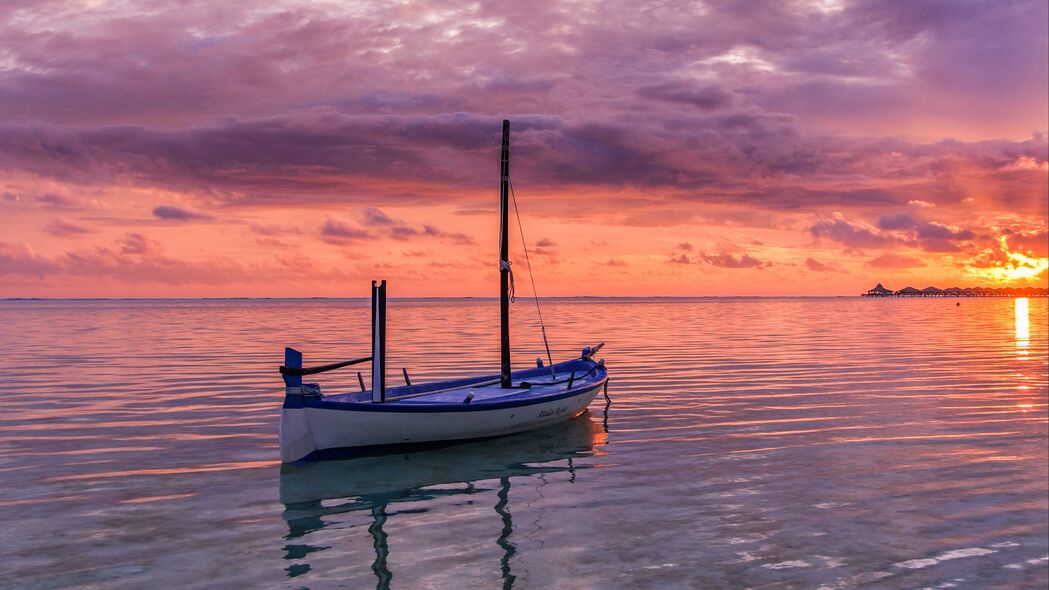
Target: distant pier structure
[{"x": 880, "y": 291}]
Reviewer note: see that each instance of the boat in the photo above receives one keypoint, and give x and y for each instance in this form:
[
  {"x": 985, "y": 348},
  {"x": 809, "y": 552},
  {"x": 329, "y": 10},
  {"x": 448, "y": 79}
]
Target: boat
[{"x": 315, "y": 425}]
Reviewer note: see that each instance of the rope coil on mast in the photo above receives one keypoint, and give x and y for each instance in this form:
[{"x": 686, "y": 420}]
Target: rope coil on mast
[
  {"x": 531, "y": 277},
  {"x": 505, "y": 265}
]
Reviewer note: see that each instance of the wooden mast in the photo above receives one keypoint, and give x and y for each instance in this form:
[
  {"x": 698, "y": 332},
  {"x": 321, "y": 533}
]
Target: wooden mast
[{"x": 504, "y": 258}]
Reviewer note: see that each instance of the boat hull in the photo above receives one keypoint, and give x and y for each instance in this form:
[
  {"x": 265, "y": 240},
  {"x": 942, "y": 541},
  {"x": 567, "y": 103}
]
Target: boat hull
[{"x": 306, "y": 432}]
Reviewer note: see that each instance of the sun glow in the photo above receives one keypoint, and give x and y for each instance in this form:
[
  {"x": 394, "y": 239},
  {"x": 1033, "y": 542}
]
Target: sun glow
[{"x": 1011, "y": 265}]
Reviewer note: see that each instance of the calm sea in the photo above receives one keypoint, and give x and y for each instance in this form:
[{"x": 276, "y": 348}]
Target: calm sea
[{"x": 772, "y": 443}]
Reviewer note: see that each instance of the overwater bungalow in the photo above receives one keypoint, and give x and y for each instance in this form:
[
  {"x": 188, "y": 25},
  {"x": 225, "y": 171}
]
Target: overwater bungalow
[{"x": 880, "y": 291}]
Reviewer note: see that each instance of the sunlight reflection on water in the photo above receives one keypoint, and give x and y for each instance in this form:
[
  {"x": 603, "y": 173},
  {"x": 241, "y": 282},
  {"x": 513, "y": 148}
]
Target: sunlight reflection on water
[
  {"x": 1023, "y": 325},
  {"x": 751, "y": 442}
]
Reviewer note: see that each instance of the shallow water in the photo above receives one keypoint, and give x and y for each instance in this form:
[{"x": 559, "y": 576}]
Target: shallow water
[{"x": 774, "y": 443}]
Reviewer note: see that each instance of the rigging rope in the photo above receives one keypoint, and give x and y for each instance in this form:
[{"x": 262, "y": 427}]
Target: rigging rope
[{"x": 531, "y": 277}]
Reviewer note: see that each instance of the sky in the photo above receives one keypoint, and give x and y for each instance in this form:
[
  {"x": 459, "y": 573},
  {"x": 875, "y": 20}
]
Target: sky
[{"x": 300, "y": 148}]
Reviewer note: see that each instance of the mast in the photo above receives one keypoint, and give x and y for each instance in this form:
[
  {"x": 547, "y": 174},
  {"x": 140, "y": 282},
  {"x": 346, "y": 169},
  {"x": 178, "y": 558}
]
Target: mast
[{"x": 504, "y": 258}]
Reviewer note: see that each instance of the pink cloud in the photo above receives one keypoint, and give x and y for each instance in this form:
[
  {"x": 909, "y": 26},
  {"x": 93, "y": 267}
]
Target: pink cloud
[
  {"x": 891, "y": 260},
  {"x": 65, "y": 229}
]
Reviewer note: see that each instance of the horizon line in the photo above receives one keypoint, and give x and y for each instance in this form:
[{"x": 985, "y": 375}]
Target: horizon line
[
  {"x": 439, "y": 297},
  {"x": 365, "y": 298}
]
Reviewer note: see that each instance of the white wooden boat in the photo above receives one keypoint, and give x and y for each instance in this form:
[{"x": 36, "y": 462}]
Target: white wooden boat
[{"x": 315, "y": 425}]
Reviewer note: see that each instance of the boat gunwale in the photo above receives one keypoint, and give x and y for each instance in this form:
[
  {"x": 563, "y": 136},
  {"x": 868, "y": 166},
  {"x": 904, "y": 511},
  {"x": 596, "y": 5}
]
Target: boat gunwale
[{"x": 585, "y": 386}]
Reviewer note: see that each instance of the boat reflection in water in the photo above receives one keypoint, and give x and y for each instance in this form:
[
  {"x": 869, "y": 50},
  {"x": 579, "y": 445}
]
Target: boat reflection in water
[{"x": 311, "y": 492}]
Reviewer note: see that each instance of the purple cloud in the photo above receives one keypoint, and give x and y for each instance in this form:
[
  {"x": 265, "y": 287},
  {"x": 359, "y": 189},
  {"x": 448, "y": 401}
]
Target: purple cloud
[
  {"x": 850, "y": 235},
  {"x": 777, "y": 116},
  {"x": 135, "y": 243},
  {"x": 374, "y": 216},
  {"x": 707, "y": 97},
  {"x": 403, "y": 232},
  {"x": 457, "y": 237},
  {"x": 172, "y": 213},
  {"x": 337, "y": 231},
  {"x": 896, "y": 222},
  {"x": 726, "y": 260}
]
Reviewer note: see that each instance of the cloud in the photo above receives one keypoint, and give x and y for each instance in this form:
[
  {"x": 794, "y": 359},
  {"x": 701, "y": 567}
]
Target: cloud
[
  {"x": 544, "y": 247},
  {"x": 64, "y": 229},
  {"x": 817, "y": 266},
  {"x": 457, "y": 237},
  {"x": 1034, "y": 243},
  {"x": 868, "y": 109},
  {"x": 1026, "y": 163},
  {"x": 274, "y": 229},
  {"x": 21, "y": 261},
  {"x": 726, "y": 260},
  {"x": 173, "y": 213},
  {"x": 373, "y": 216},
  {"x": 139, "y": 260},
  {"x": 930, "y": 235},
  {"x": 1001, "y": 261},
  {"x": 855, "y": 236},
  {"x": 405, "y": 232},
  {"x": 336, "y": 231},
  {"x": 937, "y": 231},
  {"x": 890, "y": 260},
  {"x": 55, "y": 200},
  {"x": 321, "y": 156},
  {"x": 897, "y": 222},
  {"x": 135, "y": 243},
  {"x": 707, "y": 97},
  {"x": 897, "y": 229}
]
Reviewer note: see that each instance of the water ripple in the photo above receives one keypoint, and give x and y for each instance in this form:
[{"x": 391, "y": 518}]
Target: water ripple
[{"x": 829, "y": 443}]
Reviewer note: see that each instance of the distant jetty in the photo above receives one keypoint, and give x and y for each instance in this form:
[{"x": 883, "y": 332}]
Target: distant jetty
[{"x": 880, "y": 291}]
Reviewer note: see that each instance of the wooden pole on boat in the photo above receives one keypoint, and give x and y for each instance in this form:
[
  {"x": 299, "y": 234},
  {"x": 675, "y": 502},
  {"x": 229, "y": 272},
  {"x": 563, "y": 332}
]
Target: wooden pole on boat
[
  {"x": 378, "y": 342},
  {"x": 504, "y": 258}
]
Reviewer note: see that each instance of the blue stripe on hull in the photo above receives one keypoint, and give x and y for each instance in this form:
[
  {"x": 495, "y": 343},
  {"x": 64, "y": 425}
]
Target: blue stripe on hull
[
  {"x": 447, "y": 407},
  {"x": 524, "y": 397}
]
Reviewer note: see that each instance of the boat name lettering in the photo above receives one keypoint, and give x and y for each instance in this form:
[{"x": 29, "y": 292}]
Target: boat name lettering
[{"x": 553, "y": 412}]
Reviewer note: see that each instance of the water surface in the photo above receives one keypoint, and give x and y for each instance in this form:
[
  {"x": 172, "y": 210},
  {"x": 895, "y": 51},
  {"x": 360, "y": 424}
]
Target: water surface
[{"x": 774, "y": 443}]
